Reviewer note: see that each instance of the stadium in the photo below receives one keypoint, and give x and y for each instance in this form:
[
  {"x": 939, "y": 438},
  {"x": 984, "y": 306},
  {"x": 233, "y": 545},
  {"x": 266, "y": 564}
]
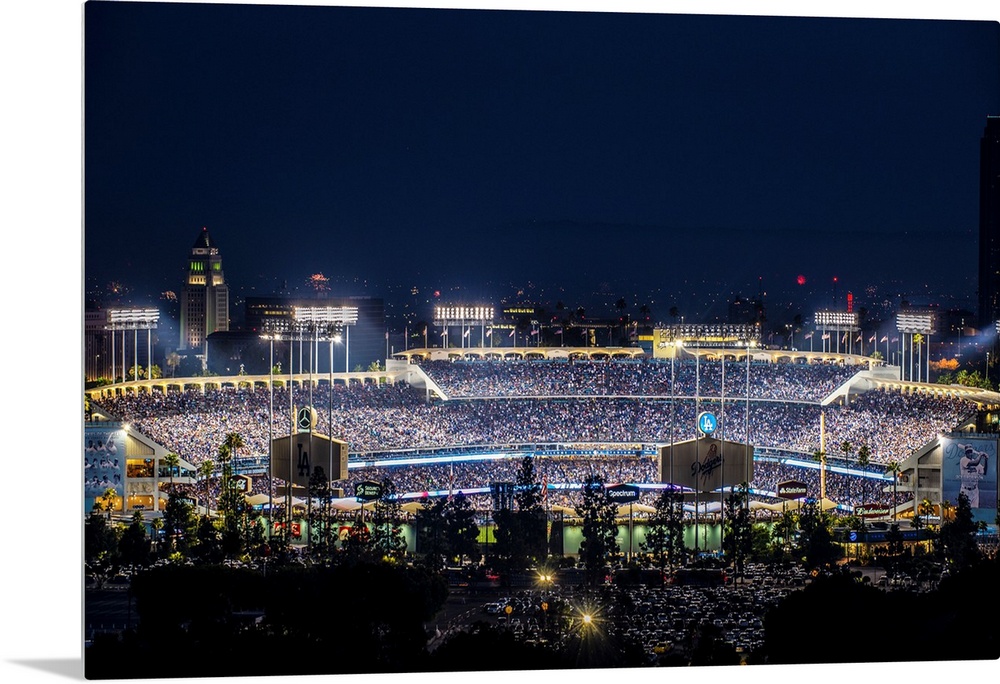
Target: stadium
[{"x": 437, "y": 422}]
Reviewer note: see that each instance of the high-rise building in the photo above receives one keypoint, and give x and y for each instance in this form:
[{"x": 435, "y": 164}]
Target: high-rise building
[
  {"x": 989, "y": 224},
  {"x": 204, "y": 297}
]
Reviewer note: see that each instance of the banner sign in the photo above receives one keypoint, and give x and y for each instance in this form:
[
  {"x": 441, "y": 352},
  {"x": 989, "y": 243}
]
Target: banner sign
[
  {"x": 871, "y": 510},
  {"x": 623, "y": 493},
  {"x": 969, "y": 467},
  {"x": 791, "y": 489},
  {"x": 367, "y": 491},
  {"x": 103, "y": 463}
]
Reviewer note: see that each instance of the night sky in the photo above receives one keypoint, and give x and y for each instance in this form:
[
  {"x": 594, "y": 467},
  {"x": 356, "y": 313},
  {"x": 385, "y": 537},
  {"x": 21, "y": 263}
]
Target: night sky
[{"x": 640, "y": 155}]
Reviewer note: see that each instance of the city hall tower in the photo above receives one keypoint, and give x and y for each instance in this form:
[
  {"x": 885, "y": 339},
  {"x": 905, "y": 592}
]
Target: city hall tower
[{"x": 204, "y": 297}]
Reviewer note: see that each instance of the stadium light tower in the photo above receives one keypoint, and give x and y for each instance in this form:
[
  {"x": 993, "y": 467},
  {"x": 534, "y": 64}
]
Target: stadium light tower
[
  {"x": 134, "y": 320},
  {"x": 916, "y": 322},
  {"x": 318, "y": 319}
]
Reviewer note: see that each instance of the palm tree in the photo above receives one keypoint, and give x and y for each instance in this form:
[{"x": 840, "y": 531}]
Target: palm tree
[
  {"x": 947, "y": 508},
  {"x": 925, "y": 509},
  {"x": 918, "y": 340},
  {"x": 108, "y": 497},
  {"x": 157, "y": 525},
  {"x": 892, "y": 468},
  {"x": 173, "y": 360},
  {"x": 864, "y": 455},
  {"x": 224, "y": 457},
  {"x": 205, "y": 470},
  {"x": 847, "y": 448},
  {"x": 234, "y": 441},
  {"x": 171, "y": 460}
]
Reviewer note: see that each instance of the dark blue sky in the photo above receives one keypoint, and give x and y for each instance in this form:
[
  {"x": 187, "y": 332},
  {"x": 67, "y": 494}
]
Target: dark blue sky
[{"x": 637, "y": 153}]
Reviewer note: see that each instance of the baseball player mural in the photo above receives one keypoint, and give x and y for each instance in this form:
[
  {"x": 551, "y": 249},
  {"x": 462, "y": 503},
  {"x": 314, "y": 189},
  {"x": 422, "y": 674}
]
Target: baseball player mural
[{"x": 969, "y": 466}]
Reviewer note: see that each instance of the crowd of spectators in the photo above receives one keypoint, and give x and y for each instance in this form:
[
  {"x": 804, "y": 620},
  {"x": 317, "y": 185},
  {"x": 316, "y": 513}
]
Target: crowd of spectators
[
  {"x": 784, "y": 413},
  {"x": 645, "y": 378}
]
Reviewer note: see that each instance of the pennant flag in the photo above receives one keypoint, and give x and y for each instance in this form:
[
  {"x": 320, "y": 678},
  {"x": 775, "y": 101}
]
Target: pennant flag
[
  {"x": 871, "y": 339},
  {"x": 844, "y": 338},
  {"x": 884, "y": 339},
  {"x": 809, "y": 336},
  {"x": 489, "y": 332},
  {"x": 859, "y": 339},
  {"x": 826, "y": 336},
  {"x": 558, "y": 331},
  {"x": 534, "y": 332},
  {"x": 895, "y": 339},
  {"x": 466, "y": 333},
  {"x": 512, "y": 332}
]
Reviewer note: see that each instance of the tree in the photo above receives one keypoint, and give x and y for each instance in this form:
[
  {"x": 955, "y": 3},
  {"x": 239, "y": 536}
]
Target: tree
[
  {"x": 785, "y": 528},
  {"x": 894, "y": 542},
  {"x": 665, "y": 530},
  {"x": 108, "y": 500},
  {"x": 847, "y": 448},
  {"x": 209, "y": 546},
  {"x": 171, "y": 460},
  {"x": 100, "y": 545},
  {"x": 432, "y": 540},
  {"x": 173, "y": 360},
  {"x": 461, "y": 530},
  {"x": 133, "y": 547},
  {"x": 925, "y": 508},
  {"x": 530, "y": 514},
  {"x": 893, "y": 468},
  {"x": 864, "y": 455},
  {"x": 234, "y": 441},
  {"x": 179, "y": 523},
  {"x": 520, "y": 531},
  {"x": 388, "y": 542},
  {"x": 737, "y": 543},
  {"x": 918, "y": 340},
  {"x": 600, "y": 529},
  {"x": 232, "y": 502},
  {"x": 205, "y": 471},
  {"x": 957, "y": 537},
  {"x": 322, "y": 538},
  {"x": 815, "y": 545}
]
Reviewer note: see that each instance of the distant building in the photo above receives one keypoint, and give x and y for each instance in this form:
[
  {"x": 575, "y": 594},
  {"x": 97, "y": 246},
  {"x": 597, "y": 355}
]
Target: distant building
[
  {"x": 743, "y": 310},
  {"x": 97, "y": 346},
  {"x": 989, "y": 224},
  {"x": 204, "y": 297}
]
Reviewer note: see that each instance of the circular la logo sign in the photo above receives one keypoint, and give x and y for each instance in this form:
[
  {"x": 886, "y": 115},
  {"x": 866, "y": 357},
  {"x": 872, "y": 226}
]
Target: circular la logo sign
[{"x": 707, "y": 422}]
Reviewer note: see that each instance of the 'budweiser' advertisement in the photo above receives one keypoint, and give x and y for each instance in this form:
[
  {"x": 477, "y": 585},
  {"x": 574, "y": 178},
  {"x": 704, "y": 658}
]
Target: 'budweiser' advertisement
[{"x": 872, "y": 510}]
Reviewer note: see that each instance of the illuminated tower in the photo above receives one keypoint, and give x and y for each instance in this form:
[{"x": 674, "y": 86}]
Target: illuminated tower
[
  {"x": 989, "y": 224},
  {"x": 204, "y": 297}
]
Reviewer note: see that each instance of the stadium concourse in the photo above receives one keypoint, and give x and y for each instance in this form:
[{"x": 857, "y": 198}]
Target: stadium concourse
[{"x": 436, "y": 427}]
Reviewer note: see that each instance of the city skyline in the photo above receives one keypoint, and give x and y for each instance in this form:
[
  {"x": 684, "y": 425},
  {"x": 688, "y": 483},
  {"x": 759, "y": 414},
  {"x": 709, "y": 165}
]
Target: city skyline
[{"x": 670, "y": 160}]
